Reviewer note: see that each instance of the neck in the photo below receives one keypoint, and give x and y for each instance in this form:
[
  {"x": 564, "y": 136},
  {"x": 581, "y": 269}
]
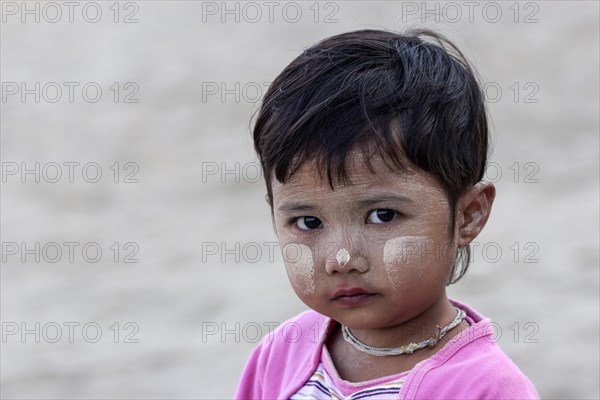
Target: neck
[{"x": 415, "y": 329}]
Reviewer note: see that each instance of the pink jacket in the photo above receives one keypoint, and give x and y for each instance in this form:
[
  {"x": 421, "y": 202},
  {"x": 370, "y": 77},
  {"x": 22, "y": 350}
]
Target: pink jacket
[{"x": 470, "y": 366}]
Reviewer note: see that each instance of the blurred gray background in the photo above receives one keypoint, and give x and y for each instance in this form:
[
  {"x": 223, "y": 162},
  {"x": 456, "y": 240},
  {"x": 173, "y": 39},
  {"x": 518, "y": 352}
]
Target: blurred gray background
[{"x": 189, "y": 276}]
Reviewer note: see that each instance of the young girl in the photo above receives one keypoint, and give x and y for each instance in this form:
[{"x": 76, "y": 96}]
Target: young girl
[{"x": 373, "y": 146}]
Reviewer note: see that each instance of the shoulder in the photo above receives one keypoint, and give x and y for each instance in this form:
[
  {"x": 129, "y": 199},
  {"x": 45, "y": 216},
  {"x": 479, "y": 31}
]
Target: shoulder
[
  {"x": 488, "y": 371},
  {"x": 295, "y": 342},
  {"x": 471, "y": 365},
  {"x": 304, "y": 330}
]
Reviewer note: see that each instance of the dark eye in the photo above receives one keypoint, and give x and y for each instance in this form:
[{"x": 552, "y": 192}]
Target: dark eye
[
  {"x": 381, "y": 216},
  {"x": 308, "y": 223}
]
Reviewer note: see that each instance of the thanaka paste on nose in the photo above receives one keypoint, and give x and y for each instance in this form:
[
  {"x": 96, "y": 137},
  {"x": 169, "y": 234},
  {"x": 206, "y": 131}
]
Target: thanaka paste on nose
[
  {"x": 342, "y": 257},
  {"x": 299, "y": 261}
]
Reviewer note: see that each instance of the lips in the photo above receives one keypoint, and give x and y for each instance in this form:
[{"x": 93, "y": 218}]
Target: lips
[{"x": 352, "y": 297}]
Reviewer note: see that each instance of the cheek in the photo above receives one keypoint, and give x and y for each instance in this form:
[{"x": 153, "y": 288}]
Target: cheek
[
  {"x": 404, "y": 259},
  {"x": 299, "y": 263}
]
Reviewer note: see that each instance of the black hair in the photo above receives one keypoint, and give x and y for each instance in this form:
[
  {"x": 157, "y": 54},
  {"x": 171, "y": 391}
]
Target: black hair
[{"x": 409, "y": 96}]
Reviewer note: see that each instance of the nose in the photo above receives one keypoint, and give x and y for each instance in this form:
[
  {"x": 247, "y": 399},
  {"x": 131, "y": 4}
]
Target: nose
[{"x": 346, "y": 259}]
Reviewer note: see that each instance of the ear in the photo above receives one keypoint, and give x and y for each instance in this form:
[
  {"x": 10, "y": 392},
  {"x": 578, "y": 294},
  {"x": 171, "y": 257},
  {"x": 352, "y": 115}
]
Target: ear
[{"x": 473, "y": 210}]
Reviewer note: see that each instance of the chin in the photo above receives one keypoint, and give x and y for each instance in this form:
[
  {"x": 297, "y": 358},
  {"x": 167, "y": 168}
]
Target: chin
[{"x": 357, "y": 319}]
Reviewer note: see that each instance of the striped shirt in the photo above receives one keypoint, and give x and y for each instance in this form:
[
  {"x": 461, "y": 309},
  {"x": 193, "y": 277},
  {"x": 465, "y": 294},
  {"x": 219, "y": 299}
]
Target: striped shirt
[{"x": 325, "y": 383}]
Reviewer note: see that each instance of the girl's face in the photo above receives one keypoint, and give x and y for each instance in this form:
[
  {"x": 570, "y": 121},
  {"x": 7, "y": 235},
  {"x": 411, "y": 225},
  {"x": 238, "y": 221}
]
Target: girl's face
[{"x": 371, "y": 254}]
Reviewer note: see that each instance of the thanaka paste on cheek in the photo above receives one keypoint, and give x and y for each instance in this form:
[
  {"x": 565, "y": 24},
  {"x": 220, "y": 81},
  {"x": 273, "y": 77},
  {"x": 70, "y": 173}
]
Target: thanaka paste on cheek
[
  {"x": 300, "y": 266},
  {"x": 404, "y": 252}
]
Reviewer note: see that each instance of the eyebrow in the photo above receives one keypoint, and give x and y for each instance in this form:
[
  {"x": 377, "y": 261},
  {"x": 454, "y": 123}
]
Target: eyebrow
[
  {"x": 296, "y": 206},
  {"x": 391, "y": 198},
  {"x": 300, "y": 206}
]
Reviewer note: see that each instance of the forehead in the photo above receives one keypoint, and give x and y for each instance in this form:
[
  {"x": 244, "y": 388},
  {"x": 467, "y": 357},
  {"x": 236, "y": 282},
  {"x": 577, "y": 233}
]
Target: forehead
[{"x": 363, "y": 178}]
